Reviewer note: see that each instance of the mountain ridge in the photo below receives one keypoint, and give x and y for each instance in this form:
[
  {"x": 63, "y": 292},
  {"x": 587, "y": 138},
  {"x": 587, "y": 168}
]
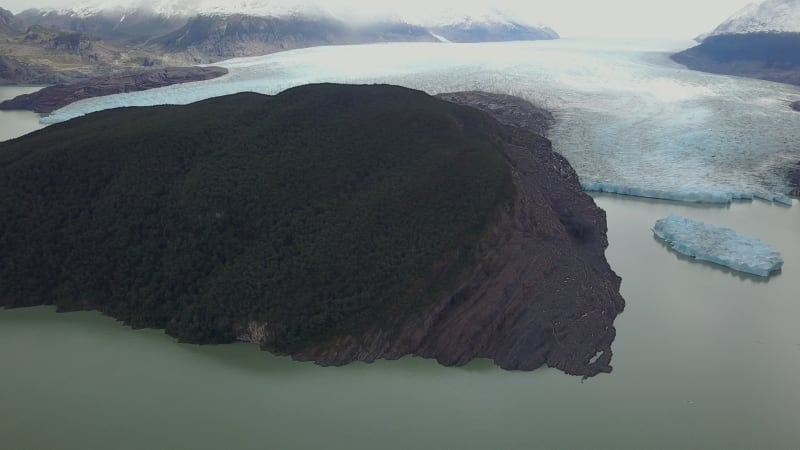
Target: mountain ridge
[
  {"x": 106, "y": 40},
  {"x": 768, "y": 16}
]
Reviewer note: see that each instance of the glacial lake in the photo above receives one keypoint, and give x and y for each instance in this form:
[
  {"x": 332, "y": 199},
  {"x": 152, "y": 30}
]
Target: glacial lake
[
  {"x": 17, "y": 123},
  {"x": 704, "y": 358}
]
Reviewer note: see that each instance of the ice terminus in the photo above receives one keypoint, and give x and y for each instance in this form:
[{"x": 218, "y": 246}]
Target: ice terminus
[{"x": 718, "y": 245}]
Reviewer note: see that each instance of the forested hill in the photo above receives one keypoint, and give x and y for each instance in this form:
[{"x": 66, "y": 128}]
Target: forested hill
[
  {"x": 320, "y": 210},
  {"x": 334, "y": 223}
]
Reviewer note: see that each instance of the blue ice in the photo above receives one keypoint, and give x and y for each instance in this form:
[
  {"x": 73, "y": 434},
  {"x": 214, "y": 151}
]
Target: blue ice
[
  {"x": 718, "y": 245},
  {"x": 629, "y": 120}
]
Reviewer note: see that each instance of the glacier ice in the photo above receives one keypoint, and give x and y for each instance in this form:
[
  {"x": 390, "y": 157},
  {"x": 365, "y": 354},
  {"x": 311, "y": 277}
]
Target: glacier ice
[
  {"x": 629, "y": 119},
  {"x": 719, "y": 245}
]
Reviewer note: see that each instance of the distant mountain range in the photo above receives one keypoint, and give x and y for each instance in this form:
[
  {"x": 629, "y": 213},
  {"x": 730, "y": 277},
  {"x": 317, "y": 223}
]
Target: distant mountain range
[
  {"x": 47, "y": 46},
  {"x": 760, "y": 41}
]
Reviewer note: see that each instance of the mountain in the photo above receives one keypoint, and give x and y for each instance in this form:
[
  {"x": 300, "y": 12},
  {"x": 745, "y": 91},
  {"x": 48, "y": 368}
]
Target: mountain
[
  {"x": 116, "y": 25},
  {"x": 210, "y": 38},
  {"x": 102, "y": 37},
  {"x": 760, "y": 41},
  {"x": 292, "y": 21},
  {"x": 9, "y": 25},
  {"x": 334, "y": 223},
  {"x": 769, "y": 16}
]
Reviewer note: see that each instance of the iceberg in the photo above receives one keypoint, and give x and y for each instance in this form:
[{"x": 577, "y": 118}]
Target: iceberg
[
  {"x": 718, "y": 245},
  {"x": 701, "y": 194}
]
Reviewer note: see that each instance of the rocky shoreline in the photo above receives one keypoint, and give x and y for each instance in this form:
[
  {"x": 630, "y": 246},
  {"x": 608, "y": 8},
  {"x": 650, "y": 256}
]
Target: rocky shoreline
[
  {"x": 52, "y": 98},
  {"x": 542, "y": 292}
]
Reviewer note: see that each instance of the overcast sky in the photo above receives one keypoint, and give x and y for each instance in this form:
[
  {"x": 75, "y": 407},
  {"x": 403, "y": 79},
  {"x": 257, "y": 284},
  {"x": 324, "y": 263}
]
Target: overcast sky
[{"x": 629, "y": 18}]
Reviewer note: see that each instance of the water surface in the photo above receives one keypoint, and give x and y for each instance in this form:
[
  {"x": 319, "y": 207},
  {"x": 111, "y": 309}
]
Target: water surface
[
  {"x": 17, "y": 123},
  {"x": 704, "y": 358}
]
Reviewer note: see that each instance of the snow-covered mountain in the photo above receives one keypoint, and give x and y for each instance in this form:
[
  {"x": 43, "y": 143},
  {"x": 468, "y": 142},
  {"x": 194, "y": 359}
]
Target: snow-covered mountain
[
  {"x": 760, "y": 41},
  {"x": 431, "y": 16},
  {"x": 300, "y": 22},
  {"x": 771, "y": 15}
]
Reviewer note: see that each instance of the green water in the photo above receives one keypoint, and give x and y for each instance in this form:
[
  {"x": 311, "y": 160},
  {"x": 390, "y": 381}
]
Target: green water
[
  {"x": 17, "y": 123},
  {"x": 704, "y": 358}
]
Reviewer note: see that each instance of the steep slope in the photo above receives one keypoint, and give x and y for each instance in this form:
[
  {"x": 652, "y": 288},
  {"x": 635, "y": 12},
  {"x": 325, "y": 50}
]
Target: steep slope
[
  {"x": 766, "y": 56},
  {"x": 334, "y": 223},
  {"x": 768, "y": 16},
  {"x": 9, "y": 26},
  {"x": 122, "y": 26},
  {"x": 172, "y": 32},
  {"x": 492, "y": 32},
  {"x": 209, "y": 38},
  {"x": 759, "y": 41}
]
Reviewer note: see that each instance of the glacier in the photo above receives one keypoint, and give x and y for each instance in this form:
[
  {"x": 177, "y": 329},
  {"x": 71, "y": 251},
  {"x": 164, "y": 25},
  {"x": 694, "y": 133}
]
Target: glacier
[
  {"x": 629, "y": 120},
  {"x": 718, "y": 245}
]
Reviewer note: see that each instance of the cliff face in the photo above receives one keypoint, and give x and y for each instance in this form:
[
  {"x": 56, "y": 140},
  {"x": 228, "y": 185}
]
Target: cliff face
[{"x": 541, "y": 292}]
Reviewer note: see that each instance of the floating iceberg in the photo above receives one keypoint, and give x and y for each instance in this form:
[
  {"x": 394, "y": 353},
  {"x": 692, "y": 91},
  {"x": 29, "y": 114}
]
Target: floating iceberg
[{"x": 718, "y": 245}]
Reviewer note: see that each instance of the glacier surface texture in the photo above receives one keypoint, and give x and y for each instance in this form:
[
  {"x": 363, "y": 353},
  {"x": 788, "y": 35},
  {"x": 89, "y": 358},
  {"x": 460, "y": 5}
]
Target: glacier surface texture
[
  {"x": 718, "y": 245},
  {"x": 629, "y": 119}
]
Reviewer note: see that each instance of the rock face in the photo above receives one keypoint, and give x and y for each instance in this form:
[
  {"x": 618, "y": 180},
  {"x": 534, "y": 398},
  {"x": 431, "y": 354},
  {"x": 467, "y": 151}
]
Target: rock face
[
  {"x": 54, "y": 97},
  {"x": 542, "y": 292},
  {"x": 796, "y": 106},
  {"x": 210, "y": 38}
]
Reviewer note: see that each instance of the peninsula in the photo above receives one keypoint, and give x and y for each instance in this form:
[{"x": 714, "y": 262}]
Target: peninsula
[
  {"x": 52, "y": 98},
  {"x": 333, "y": 223}
]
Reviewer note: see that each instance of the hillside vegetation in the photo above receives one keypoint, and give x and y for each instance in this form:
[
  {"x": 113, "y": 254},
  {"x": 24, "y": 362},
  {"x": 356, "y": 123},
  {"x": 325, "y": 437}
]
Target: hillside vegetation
[
  {"x": 319, "y": 211},
  {"x": 764, "y": 55}
]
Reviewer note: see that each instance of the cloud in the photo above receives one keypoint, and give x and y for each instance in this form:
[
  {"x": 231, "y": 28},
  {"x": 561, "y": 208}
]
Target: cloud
[{"x": 631, "y": 18}]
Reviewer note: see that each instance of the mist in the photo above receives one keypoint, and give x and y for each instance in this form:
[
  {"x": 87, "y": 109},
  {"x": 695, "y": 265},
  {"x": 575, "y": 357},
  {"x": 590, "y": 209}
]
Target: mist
[{"x": 678, "y": 19}]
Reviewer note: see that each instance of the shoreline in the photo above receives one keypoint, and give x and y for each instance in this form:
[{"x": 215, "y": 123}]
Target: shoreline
[{"x": 51, "y": 98}]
